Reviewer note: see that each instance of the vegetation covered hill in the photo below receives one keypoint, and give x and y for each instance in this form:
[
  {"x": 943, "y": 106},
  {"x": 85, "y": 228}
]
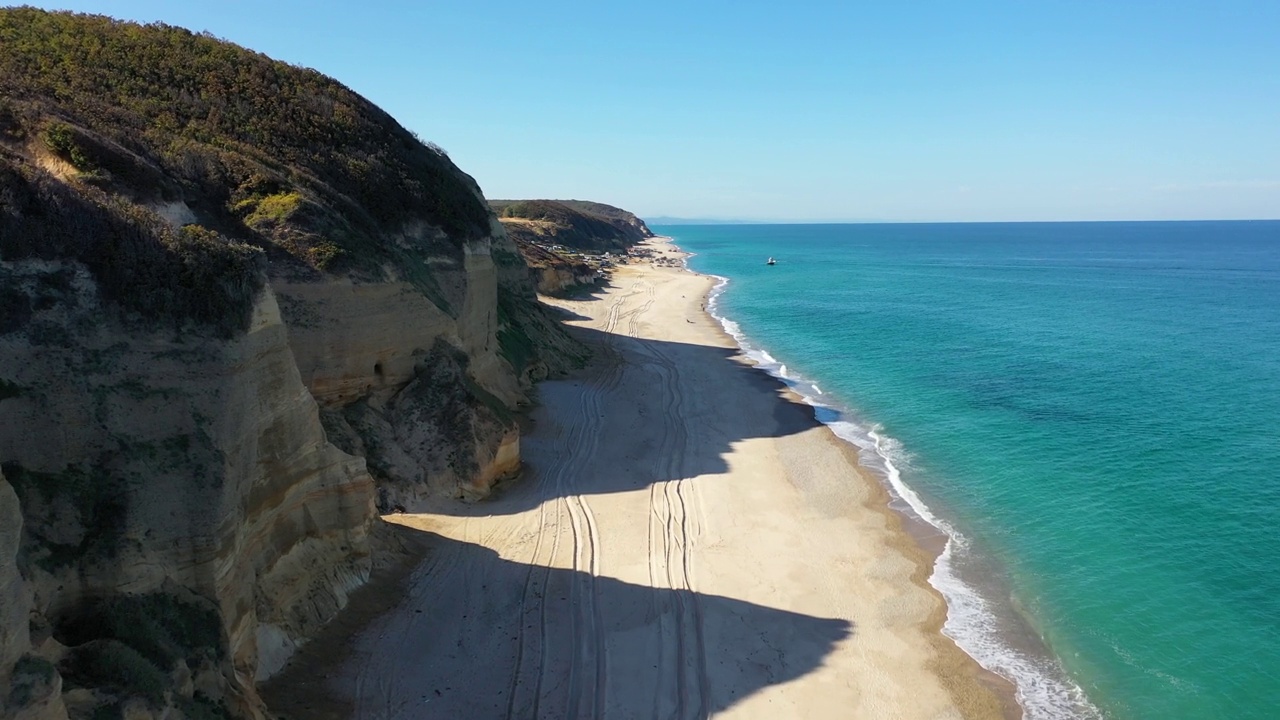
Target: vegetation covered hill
[
  {"x": 139, "y": 122},
  {"x": 152, "y": 182},
  {"x": 575, "y": 224}
]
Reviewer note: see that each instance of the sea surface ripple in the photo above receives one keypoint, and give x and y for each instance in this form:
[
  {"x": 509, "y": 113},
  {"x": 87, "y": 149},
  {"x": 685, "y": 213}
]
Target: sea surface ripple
[{"x": 1089, "y": 411}]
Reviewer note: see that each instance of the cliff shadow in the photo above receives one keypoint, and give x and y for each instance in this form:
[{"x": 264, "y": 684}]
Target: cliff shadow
[
  {"x": 658, "y": 411},
  {"x": 474, "y": 635},
  {"x": 589, "y": 291},
  {"x": 563, "y": 313}
]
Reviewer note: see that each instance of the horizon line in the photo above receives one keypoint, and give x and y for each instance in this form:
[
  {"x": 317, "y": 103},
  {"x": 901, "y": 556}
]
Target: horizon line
[{"x": 667, "y": 220}]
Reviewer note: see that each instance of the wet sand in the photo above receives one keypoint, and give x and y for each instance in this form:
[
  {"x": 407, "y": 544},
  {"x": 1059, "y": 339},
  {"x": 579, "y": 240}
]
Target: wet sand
[{"x": 686, "y": 541}]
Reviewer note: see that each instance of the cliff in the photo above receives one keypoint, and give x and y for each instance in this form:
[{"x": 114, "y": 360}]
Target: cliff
[
  {"x": 574, "y": 224},
  {"x": 241, "y": 311},
  {"x": 192, "y": 468},
  {"x": 568, "y": 243},
  {"x": 556, "y": 270}
]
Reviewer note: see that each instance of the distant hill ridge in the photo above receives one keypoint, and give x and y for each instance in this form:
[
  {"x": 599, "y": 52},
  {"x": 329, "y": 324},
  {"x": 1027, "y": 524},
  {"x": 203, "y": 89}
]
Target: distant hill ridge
[{"x": 576, "y": 224}]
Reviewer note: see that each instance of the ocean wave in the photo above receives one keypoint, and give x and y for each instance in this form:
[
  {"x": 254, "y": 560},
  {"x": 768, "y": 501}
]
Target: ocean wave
[{"x": 1042, "y": 687}]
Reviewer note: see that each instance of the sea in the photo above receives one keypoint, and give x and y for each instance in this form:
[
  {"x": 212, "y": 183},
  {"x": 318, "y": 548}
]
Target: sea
[{"x": 1088, "y": 413}]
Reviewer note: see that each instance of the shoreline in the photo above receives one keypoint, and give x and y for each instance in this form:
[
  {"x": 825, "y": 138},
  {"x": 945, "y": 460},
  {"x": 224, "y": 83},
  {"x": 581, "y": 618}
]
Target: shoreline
[
  {"x": 685, "y": 542},
  {"x": 920, "y": 540},
  {"x": 1003, "y": 636}
]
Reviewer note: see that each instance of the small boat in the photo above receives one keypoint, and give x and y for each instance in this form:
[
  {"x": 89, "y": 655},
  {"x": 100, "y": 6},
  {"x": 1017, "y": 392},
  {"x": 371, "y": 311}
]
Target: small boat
[{"x": 771, "y": 261}]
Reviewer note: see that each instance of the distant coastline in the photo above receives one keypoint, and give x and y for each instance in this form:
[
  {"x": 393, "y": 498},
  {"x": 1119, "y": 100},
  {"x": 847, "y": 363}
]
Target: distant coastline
[
  {"x": 660, "y": 220},
  {"x": 666, "y": 220}
]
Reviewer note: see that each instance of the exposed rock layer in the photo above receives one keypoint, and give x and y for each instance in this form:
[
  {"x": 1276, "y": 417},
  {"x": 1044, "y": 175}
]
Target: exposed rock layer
[
  {"x": 553, "y": 235},
  {"x": 553, "y": 271},
  {"x": 14, "y": 602},
  {"x": 576, "y": 224},
  {"x": 198, "y": 465},
  {"x": 223, "y": 345},
  {"x": 153, "y": 464}
]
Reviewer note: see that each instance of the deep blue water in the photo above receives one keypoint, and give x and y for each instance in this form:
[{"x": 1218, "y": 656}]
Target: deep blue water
[{"x": 1091, "y": 409}]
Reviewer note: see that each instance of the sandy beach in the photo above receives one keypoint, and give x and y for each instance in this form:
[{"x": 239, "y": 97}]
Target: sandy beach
[{"x": 686, "y": 541}]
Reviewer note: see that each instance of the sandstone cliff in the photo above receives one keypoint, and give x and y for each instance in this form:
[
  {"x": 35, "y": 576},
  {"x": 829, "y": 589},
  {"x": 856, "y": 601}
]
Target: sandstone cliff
[
  {"x": 554, "y": 270},
  {"x": 241, "y": 309},
  {"x": 574, "y": 224},
  {"x": 195, "y": 467},
  {"x": 564, "y": 242}
]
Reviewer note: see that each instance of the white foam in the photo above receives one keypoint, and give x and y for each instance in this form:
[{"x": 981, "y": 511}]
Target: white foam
[{"x": 1042, "y": 687}]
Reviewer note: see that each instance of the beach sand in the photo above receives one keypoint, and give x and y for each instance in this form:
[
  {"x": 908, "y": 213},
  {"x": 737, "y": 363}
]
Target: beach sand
[{"x": 686, "y": 541}]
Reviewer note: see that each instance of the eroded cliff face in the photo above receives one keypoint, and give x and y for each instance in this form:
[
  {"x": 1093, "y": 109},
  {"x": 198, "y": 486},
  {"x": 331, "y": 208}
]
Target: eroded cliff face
[
  {"x": 191, "y": 467},
  {"x": 15, "y": 601},
  {"x": 576, "y": 224},
  {"x": 414, "y": 383},
  {"x": 558, "y": 280},
  {"x": 231, "y": 473},
  {"x": 241, "y": 310},
  {"x": 232, "y": 476}
]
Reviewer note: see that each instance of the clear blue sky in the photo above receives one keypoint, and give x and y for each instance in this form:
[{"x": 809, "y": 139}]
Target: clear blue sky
[{"x": 1027, "y": 110}]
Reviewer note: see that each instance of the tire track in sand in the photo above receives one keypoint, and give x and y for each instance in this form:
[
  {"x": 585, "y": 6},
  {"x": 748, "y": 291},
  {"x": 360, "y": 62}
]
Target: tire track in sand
[
  {"x": 532, "y": 588},
  {"x": 591, "y": 646},
  {"x": 687, "y": 530},
  {"x": 377, "y": 680},
  {"x": 572, "y": 455},
  {"x": 673, "y": 513}
]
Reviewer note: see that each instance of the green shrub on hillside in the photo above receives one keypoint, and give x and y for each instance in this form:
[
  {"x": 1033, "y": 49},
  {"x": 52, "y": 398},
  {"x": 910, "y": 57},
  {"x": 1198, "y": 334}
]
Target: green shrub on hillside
[
  {"x": 112, "y": 664},
  {"x": 275, "y": 209},
  {"x": 156, "y": 273},
  {"x": 62, "y": 141},
  {"x": 514, "y": 343},
  {"x": 159, "y": 626},
  {"x": 36, "y": 667},
  {"x": 29, "y": 673},
  {"x": 129, "y": 644},
  {"x": 94, "y": 494}
]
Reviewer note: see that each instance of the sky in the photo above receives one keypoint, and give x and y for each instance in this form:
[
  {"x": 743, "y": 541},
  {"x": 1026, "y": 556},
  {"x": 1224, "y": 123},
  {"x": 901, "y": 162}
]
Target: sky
[{"x": 811, "y": 111}]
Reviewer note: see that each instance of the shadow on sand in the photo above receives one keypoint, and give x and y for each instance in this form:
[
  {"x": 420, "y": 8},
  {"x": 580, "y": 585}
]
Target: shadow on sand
[
  {"x": 476, "y": 636},
  {"x": 467, "y": 633},
  {"x": 667, "y": 411}
]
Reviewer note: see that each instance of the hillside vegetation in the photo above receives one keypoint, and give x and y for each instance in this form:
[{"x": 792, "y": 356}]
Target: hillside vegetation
[
  {"x": 142, "y": 265},
  {"x": 575, "y": 224},
  {"x": 242, "y": 312},
  {"x": 152, "y": 123}
]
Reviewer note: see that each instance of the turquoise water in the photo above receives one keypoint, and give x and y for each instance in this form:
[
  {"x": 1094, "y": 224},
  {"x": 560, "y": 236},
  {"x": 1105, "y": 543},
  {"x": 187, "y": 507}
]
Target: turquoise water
[{"x": 1092, "y": 410}]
